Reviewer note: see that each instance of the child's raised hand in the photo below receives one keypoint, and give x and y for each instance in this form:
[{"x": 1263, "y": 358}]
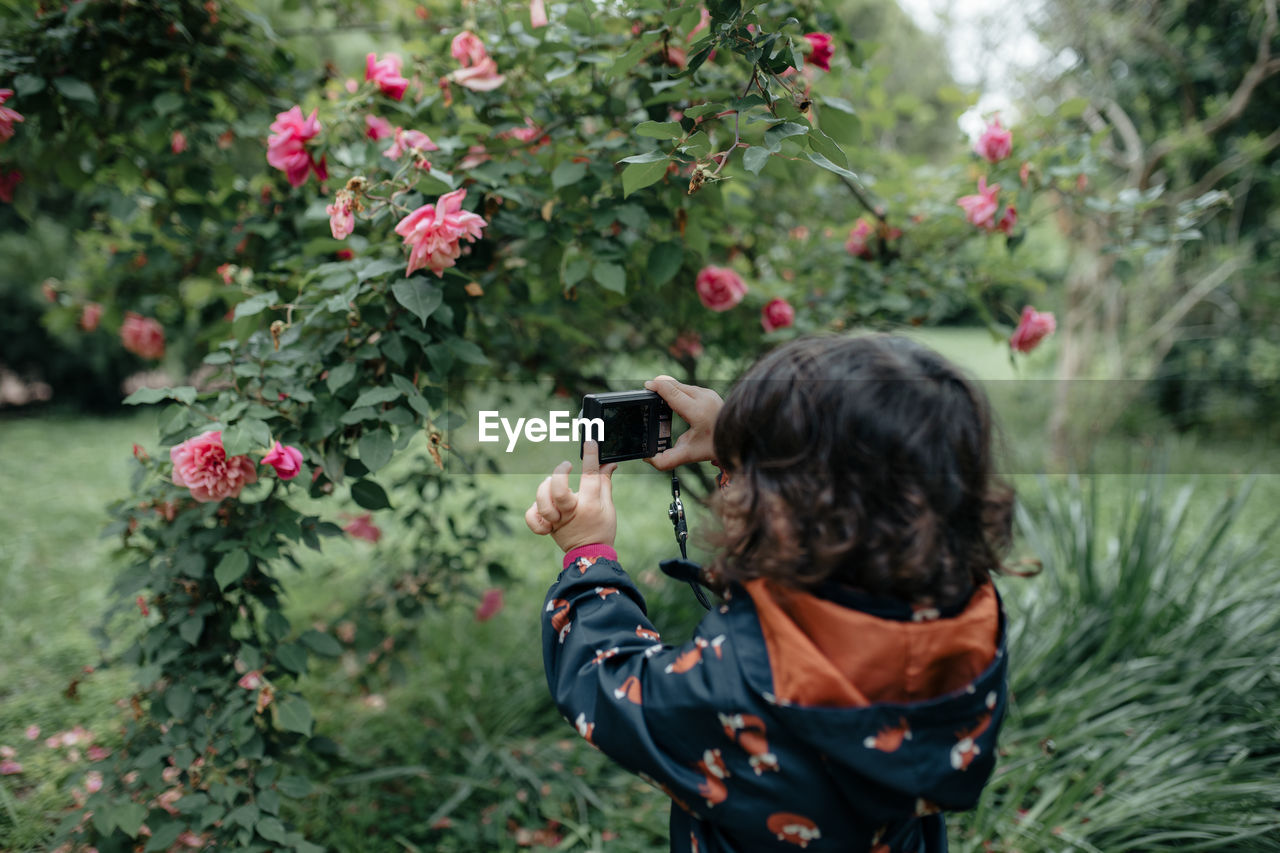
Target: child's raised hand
[
  {"x": 699, "y": 407},
  {"x": 584, "y": 517}
]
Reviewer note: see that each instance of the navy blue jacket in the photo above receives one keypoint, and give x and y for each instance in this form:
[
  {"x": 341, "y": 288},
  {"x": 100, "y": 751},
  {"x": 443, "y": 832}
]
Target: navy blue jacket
[{"x": 745, "y": 727}]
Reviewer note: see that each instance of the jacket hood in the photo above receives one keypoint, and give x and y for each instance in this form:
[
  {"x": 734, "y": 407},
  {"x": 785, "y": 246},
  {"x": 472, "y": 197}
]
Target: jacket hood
[{"x": 903, "y": 705}]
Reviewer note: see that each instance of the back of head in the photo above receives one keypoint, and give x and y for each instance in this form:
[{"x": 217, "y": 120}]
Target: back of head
[{"x": 866, "y": 461}]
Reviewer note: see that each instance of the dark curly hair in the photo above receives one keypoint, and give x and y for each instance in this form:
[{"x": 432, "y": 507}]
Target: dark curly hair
[{"x": 864, "y": 461}]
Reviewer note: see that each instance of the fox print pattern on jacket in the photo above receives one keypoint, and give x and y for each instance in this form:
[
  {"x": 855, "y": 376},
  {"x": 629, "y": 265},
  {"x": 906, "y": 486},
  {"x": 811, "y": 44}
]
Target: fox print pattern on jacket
[{"x": 754, "y": 759}]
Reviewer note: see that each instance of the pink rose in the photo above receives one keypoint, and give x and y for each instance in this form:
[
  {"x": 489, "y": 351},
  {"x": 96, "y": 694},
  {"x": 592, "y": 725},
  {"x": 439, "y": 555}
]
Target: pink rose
[
  {"x": 93, "y": 781},
  {"x": 1008, "y": 221},
  {"x": 142, "y": 336},
  {"x": 8, "y": 183},
  {"x": 704, "y": 21},
  {"x": 980, "y": 209},
  {"x": 414, "y": 141},
  {"x": 227, "y": 272},
  {"x": 687, "y": 343},
  {"x": 820, "y": 50},
  {"x": 434, "y": 232},
  {"x": 8, "y": 116},
  {"x": 33, "y": 732},
  {"x": 344, "y": 254},
  {"x": 489, "y": 606},
  {"x": 481, "y": 77},
  {"x": 351, "y": 86},
  {"x": 537, "y": 13},
  {"x": 201, "y": 464},
  {"x": 178, "y": 143},
  {"x": 720, "y": 288},
  {"x": 286, "y": 147},
  {"x": 285, "y": 459},
  {"x": 251, "y": 680},
  {"x": 528, "y": 133},
  {"x": 859, "y": 244},
  {"x": 386, "y": 74},
  {"x": 10, "y": 768},
  {"x": 342, "y": 218},
  {"x": 468, "y": 49},
  {"x": 362, "y": 527},
  {"x": 377, "y": 128},
  {"x": 1033, "y": 327},
  {"x": 90, "y": 316},
  {"x": 476, "y": 155},
  {"x": 777, "y": 314},
  {"x": 98, "y": 753},
  {"x": 995, "y": 143}
]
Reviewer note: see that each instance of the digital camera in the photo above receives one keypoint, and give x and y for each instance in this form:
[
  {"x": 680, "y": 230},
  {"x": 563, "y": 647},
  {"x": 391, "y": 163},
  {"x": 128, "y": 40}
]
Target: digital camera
[{"x": 627, "y": 424}]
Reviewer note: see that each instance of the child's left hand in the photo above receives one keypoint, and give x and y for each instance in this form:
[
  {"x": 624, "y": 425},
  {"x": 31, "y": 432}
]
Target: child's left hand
[{"x": 574, "y": 519}]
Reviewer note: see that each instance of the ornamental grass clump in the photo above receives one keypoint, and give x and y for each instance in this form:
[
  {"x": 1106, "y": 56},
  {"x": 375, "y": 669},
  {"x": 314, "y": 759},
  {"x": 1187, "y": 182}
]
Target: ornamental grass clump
[{"x": 1145, "y": 681}]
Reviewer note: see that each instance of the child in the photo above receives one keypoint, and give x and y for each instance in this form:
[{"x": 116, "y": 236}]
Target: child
[{"x": 851, "y": 686}]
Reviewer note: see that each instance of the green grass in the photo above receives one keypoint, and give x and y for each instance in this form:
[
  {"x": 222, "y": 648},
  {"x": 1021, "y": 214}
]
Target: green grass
[{"x": 1145, "y": 670}]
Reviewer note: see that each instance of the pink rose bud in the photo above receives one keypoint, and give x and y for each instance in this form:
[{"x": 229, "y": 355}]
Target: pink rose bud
[
  {"x": 995, "y": 143},
  {"x": 285, "y": 459},
  {"x": 490, "y": 604},
  {"x": 362, "y": 527},
  {"x": 434, "y": 233},
  {"x": 33, "y": 733},
  {"x": 777, "y": 314},
  {"x": 344, "y": 254},
  {"x": 980, "y": 209},
  {"x": 142, "y": 336},
  {"x": 820, "y": 50},
  {"x": 720, "y": 288},
  {"x": 859, "y": 242},
  {"x": 90, "y": 316},
  {"x": 537, "y": 13},
  {"x": 1033, "y": 327},
  {"x": 377, "y": 128},
  {"x": 142, "y": 607},
  {"x": 179, "y": 142},
  {"x": 351, "y": 86},
  {"x": 1008, "y": 221},
  {"x": 386, "y": 74},
  {"x": 251, "y": 680},
  {"x": 201, "y": 464},
  {"x": 342, "y": 218}
]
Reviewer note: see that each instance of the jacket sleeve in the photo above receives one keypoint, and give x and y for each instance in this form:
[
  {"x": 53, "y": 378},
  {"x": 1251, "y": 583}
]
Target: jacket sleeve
[{"x": 616, "y": 682}]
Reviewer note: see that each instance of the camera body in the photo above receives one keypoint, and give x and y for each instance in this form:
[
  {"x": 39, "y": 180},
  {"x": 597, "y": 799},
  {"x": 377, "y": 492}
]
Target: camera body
[{"x": 637, "y": 424}]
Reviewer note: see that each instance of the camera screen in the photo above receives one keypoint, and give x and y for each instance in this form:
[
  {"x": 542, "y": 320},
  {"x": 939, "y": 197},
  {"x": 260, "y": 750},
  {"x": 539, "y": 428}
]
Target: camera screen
[{"x": 626, "y": 429}]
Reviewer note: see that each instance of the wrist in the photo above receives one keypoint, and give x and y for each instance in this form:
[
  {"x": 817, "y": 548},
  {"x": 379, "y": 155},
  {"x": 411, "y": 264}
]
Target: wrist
[{"x": 592, "y": 552}]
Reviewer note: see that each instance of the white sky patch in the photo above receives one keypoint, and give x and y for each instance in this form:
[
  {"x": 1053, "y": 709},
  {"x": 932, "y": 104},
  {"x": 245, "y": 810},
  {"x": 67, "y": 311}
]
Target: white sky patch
[{"x": 989, "y": 44}]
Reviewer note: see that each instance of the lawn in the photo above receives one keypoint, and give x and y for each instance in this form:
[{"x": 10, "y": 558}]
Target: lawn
[{"x": 1145, "y": 665}]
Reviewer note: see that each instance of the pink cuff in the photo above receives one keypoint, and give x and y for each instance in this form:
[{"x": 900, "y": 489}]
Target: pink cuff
[{"x": 590, "y": 551}]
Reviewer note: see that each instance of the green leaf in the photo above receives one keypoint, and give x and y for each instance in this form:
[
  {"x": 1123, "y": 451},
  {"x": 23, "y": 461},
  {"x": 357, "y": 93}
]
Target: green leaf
[
  {"x": 647, "y": 157},
  {"x": 704, "y": 110},
  {"x": 1073, "y": 108},
  {"x": 660, "y": 129},
  {"x": 166, "y": 102},
  {"x": 610, "y": 276},
  {"x": 293, "y": 714},
  {"x": 637, "y": 176},
  {"x": 28, "y": 84},
  {"x": 568, "y": 173},
  {"x": 664, "y": 262},
  {"x": 466, "y": 351},
  {"x": 256, "y": 304},
  {"x": 376, "y": 396},
  {"x": 295, "y": 787},
  {"x": 236, "y": 440},
  {"x": 419, "y": 296},
  {"x": 178, "y": 699},
  {"x": 826, "y": 146},
  {"x": 183, "y": 394},
  {"x": 379, "y": 267},
  {"x": 340, "y": 376},
  {"x": 162, "y": 837},
  {"x": 128, "y": 817},
  {"x": 369, "y": 495},
  {"x": 191, "y": 628},
  {"x": 375, "y": 449},
  {"x": 271, "y": 828},
  {"x": 231, "y": 568},
  {"x": 754, "y": 159},
  {"x": 321, "y": 643},
  {"x": 76, "y": 90},
  {"x": 831, "y": 167},
  {"x": 773, "y": 136},
  {"x": 292, "y": 657}
]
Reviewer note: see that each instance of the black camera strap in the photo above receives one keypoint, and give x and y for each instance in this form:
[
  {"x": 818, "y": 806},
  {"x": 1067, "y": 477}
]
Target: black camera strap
[{"x": 682, "y": 569}]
